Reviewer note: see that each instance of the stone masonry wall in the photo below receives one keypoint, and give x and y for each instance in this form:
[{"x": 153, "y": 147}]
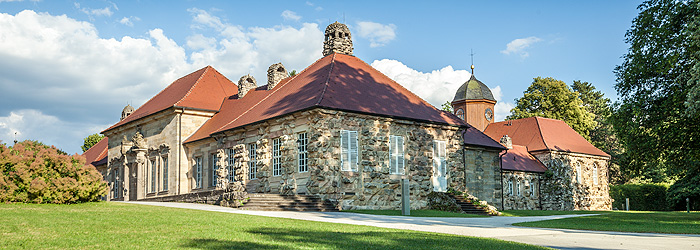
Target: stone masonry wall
[
  {"x": 527, "y": 183},
  {"x": 482, "y": 176},
  {"x": 560, "y": 189}
]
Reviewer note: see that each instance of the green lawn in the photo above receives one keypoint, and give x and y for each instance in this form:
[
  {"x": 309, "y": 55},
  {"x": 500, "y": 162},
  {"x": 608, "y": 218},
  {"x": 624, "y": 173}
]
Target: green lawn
[
  {"x": 415, "y": 213},
  {"x": 108, "y": 225},
  {"x": 622, "y": 221}
]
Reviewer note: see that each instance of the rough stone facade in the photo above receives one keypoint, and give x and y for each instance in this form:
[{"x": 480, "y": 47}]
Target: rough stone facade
[
  {"x": 521, "y": 190},
  {"x": 372, "y": 186},
  {"x": 275, "y": 74},
  {"x": 245, "y": 84},
  {"x": 560, "y": 188}
]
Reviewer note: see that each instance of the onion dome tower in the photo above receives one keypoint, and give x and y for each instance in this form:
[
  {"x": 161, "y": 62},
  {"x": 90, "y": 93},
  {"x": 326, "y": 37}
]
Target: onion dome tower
[
  {"x": 474, "y": 103},
  {"x": 127, "y": 111}
]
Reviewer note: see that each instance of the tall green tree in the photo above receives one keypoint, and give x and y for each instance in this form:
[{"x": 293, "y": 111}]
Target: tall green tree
[
  {"x": 447, "y": 106},
  {"x": 552, "y": 98},
  {"x": 652, "y": 121},
  {"x": 91, "y": 140},
  {"x": 602, "y": 135}
]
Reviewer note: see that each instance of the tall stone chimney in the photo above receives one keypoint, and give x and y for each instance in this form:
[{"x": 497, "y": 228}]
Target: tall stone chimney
[
  {"x": 507, "y": 142},
  {"x": 245, "y": 84},
  {"x": 337, "y": 40},
  {"x": 275, "y": 74}
]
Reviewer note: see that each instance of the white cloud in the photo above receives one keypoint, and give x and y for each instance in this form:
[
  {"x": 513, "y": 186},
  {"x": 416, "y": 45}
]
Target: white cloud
[
  {"x": 377, "y": 33},
  {"x": 310, "y": 4},
  {"x": 106, "y": 11},
  {"x": 129, "y": 21},
  {"x": 31, "y": 124},
  {"x": 519, "y": 45},
  {"x": 290, "y": 15},
  {"x": 438, "y": 86},
  {"x": 202, "y": 20}
]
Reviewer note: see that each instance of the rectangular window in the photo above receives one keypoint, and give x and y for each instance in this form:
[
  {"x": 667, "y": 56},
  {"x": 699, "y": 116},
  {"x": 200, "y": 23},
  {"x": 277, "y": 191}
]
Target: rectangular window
[
  {"x": 348, "y": 150},
  {"x": 517, "y": 187},
  {"x": 277, "y": 157},
  {"x": 396, "y": 163},
  {"x": 439, "y": 158},
  {"x": 595, "y": 174},
  {"x": 231, "y": 165},
  {"x": 532, "y": 187},
  {"x": 253, "y": 162},
  {"x": 213, "y": 168},
  {"x": 302, "y": 141},
  {"x": 165, "y": 174},
  {"x": 116, "y": 188},
  {"x": 198, "y": 172},
  {"x": 578, "y": 172},
  {"x": 510, "y": 187},
  {"x": 154, "y": 174}
]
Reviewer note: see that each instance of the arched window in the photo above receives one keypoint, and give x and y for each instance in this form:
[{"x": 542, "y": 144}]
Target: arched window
[
  {"x": 595, "y": 174},
  {"x": 460, "y": 114},
  {"x": 578, "y": 172}
]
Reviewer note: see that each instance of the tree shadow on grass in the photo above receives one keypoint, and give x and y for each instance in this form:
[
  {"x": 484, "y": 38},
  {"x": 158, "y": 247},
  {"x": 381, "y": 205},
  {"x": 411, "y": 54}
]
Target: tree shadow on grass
[{"x": 277, "y": 238}]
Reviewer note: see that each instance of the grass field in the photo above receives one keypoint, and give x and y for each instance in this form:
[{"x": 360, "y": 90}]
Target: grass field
[
  {"x": 622, "y": 221},
  {"x": 415, "y": 213},
  {"x": 128, "y": 226}
]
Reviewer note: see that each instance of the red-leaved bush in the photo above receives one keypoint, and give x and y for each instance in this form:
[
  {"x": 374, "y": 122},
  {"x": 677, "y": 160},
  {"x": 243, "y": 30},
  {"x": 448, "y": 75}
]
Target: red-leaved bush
[{"x": 35, "y": 173}]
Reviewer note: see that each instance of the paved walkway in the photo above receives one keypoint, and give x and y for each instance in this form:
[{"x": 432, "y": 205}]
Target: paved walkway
[{"x": 490, "y": 227}]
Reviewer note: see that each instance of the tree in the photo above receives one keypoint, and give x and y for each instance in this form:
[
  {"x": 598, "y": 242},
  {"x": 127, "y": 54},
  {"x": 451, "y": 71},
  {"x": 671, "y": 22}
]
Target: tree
[
  {"x": 293, "y": 73},
  {"x": 651, "y": 121},
  {"x": 447, "y": 106},
  {"x": 551, "y": 98},
  {"x": 91, "y": 140},
  {"x": 36, "y": 173},
  {"x": 602, "y": 135}
]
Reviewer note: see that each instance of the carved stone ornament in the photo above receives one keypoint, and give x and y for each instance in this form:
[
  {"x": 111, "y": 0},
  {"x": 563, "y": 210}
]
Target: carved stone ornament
[{"x": 138, "y": 141}]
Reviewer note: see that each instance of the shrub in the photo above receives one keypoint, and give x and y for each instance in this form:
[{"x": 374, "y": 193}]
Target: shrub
[
  {"x": 35, "y": 173},
  {"x": 643, "y": 197}
]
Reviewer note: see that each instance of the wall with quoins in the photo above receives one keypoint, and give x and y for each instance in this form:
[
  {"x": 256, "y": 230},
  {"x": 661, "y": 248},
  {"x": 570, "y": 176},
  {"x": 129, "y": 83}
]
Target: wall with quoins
[{"x": 560, "y": 189}]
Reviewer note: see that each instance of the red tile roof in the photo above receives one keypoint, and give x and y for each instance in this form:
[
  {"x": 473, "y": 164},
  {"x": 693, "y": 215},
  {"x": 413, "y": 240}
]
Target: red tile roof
[
  {"x": 97, "y": 154},
  {"x": 202, "y": 89},
  {"x": 472, "y": 136},
  {"x": 519, "y": 159},
  {"x": 539, "y": 134},
  {"x": 338, "y": 82}
]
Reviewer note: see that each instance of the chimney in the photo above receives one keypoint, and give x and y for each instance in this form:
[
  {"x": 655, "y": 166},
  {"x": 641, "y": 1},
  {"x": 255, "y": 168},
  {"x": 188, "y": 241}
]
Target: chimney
[
  {"x": 337, "y": 40},
  {"x": 245, "y": 84},
  {"x": 275, "y": 74},
  {"x": 507, "y": 142}
]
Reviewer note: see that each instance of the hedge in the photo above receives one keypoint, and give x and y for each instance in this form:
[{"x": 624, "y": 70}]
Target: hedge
[{"x": 643, "y": 197}]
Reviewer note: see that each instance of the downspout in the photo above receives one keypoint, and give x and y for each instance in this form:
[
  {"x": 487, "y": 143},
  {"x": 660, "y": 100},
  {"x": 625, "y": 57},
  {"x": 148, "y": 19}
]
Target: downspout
[{"x": 539, "y": 190}]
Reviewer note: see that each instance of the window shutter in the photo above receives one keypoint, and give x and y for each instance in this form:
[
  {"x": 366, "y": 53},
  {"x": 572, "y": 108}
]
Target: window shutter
[
  {"x": 344, "y": 146},
  {"x": 353, "y": 156},
  {"x": 399, "y": 159},
  {"x": 443, "y": 158},
  {"x": 392, "y": 155},
  {"x": 436, "y": 159}
]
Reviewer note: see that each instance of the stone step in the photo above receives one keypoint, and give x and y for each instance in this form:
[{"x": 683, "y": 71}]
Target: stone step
[
  {"x": 469, "y": 207},
  {"x": 277, "y": 202}
]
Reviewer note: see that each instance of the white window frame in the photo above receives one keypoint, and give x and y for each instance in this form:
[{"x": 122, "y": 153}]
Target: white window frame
[
  {"x": 253, "y": 161},
  {"x": 579, "y": 173},
  {"x": 439, "y": 158},
  {"x": 198, "y": 172},
  {"x": 349, "y": 153},
  {"x": 115, "y": 188},
  {"x": 532, "y": 187},
  {"x": 164, "y": 160},
  {"x": 517, "y": 188},
  {"x": 510, "y": 187},
  {"x": 302, "y": 143},
  {"x": 277, "y": 156},
  {"x": 231, "y": 161},
  {"x": 397, "y": 164},
  {"x": 595, "y": 174}
]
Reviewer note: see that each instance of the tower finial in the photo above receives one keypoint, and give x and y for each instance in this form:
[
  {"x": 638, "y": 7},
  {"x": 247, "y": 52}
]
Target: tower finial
[{"x": 472, "y": 55}]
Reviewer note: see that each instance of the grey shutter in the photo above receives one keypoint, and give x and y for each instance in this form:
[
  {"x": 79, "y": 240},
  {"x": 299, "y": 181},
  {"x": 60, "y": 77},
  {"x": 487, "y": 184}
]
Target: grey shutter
[
  {"x": 392, "y": 155},
  {"x": 399, "y": 158},
  {"x": 353, "y": 156},
  {"x": 344, "y": 145}
]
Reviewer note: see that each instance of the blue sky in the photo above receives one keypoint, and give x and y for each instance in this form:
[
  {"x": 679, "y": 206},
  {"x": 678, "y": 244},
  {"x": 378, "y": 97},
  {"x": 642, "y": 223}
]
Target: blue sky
[{"x": 67, "y": 68}]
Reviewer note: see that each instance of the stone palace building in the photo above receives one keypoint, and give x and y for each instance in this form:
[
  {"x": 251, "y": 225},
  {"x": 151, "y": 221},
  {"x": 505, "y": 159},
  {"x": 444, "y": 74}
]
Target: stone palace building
[{"x": 342, "y": 130}]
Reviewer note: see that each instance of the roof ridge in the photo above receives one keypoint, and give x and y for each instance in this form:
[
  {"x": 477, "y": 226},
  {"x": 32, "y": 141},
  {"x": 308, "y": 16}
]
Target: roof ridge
[
  {"x": 206, "y": 69},
  {"x": 328, "y": 78},
  {"x": 539, "y": 130},
  {"x": 404, "y": 88},
  {"x": 274, "y": 90}
]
